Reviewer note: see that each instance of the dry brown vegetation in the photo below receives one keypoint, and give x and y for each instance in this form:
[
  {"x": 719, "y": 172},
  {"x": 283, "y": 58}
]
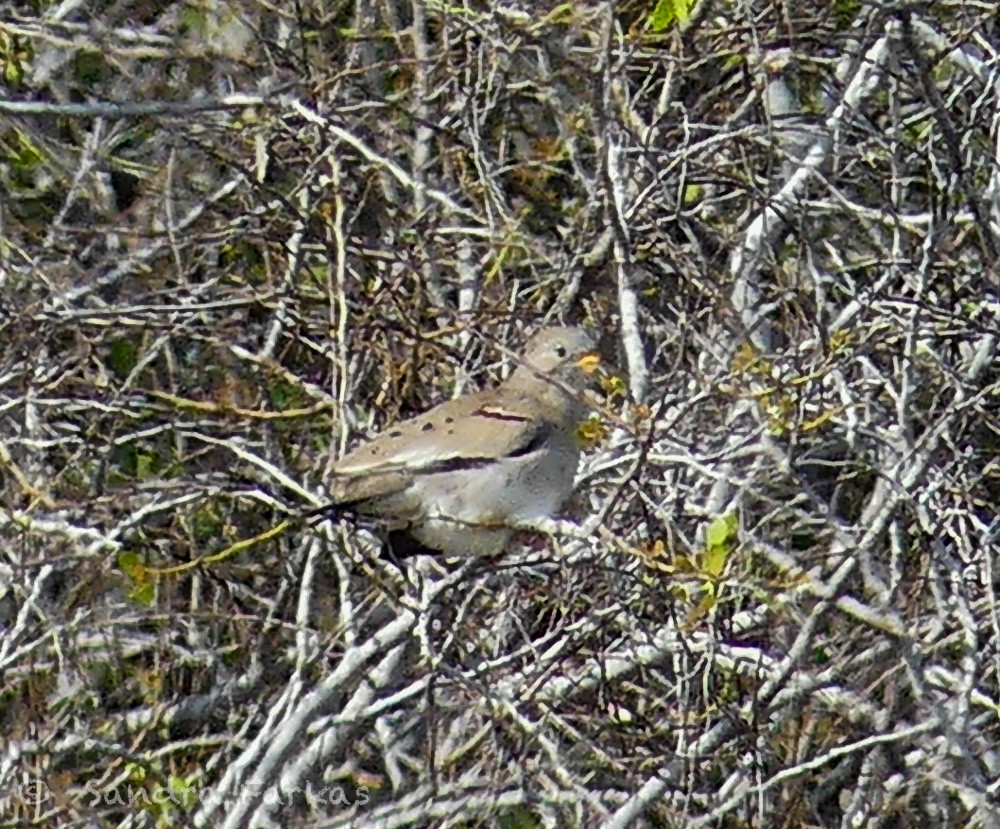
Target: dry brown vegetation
[{"x": 235, "y": 237}]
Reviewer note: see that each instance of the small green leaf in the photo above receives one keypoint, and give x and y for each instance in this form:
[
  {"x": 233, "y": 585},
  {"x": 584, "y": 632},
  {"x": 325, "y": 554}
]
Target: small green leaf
[
  {"x": 722, "y": 530},
  {"x": 692, "y": 193},
  {"x": 183, "y": 793},
  {"x": 144, "y": 465},
  {"x": 89, "y": 67},
  {"x": 614, "y": 386},
  {"x": 13, "y": 74},
  {"x": 123, "y": 357},
  {"x": 144, "y": 594},
  {"x": 279, "y": 396},
  {"x": 670, "y": 12},
  {"x": 714, "y": 561},
  {"x": 130, "y": 563},
  {"x": 207, "y": 524},
  {"x": 845, "y": 12},
  {"x": 720, "y": 539},
  {"x": 192, "y": 20},
  {"x": 135, "y": 772},
  {"x": 701, "y": 610},
  {"x": 518, "y": 817},
  {"x": 283, "y": 395}
]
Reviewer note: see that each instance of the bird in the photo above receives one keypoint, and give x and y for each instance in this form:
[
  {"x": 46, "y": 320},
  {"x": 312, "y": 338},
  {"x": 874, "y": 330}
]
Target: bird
[{"x": 453, "y": 480}]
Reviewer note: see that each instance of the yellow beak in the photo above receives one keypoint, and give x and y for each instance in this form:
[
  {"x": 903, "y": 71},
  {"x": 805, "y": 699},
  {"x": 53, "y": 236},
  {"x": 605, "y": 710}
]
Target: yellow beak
[{"x": 589, "y": 362}]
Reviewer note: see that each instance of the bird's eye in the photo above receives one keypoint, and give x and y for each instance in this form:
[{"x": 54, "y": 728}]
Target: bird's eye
[{"x": 560, "y": 351}]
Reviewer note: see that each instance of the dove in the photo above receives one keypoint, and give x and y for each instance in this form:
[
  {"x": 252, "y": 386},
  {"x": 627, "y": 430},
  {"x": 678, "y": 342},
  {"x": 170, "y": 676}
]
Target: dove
[{"x": 455, "y": 479}]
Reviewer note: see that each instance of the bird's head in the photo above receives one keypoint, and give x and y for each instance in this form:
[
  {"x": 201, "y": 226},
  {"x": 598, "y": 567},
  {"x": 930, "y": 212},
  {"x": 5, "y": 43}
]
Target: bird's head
[{"x": 566, "y": 355}]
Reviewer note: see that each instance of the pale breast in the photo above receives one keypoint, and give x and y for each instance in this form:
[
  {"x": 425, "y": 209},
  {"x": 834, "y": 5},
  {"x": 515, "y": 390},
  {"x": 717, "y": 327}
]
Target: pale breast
[
  {"x": 466, "y": 512},
  {"x": 531, "y": 486}
]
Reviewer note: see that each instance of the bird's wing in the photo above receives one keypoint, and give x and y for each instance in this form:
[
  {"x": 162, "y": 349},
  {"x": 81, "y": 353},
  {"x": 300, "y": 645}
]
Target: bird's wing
[{"x": 469, "y": 431}]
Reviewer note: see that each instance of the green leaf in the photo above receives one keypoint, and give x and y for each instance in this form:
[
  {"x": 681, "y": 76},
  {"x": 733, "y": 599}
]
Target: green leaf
[
  {"x": 130, "y": 563},
  {"x": 845, "y": 12},
  {"x": 13, "y": 74},
  {"x": 715, "y": 561},
  {"x": 135, "y": 772},
  {"x": 279, "y": 396},
  {"x": 144, "y": 463},
  {"x": 670, "y": 12},
  {"x": 89, "y": 67},
  {"x": 192, "y": 20},
  {"x": 123, "y": 357},
  {"x": 283, "y": 395},
  {"x": 144, "y": 594},
  {"x": 518, "y": 817},
  {"x": 720, "y": 539},
  {"x": 701, "y": 610},
  {"x": 722, "y": 530},
  {"x": 692, "y": 193},
  {"x": 183, "y": 793},
  {"x": 207, "y": 524}
]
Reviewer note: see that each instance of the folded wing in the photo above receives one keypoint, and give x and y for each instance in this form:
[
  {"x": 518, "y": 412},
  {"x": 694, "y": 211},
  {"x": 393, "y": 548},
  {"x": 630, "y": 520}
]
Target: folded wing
[{"x": 460, "y": 434}]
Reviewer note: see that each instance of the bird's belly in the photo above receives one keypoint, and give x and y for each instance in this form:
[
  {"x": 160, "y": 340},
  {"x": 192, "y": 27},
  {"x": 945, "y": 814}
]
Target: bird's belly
[
  {"x": 469, "y": 512},
  {"x": 519, "y": 489}
]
